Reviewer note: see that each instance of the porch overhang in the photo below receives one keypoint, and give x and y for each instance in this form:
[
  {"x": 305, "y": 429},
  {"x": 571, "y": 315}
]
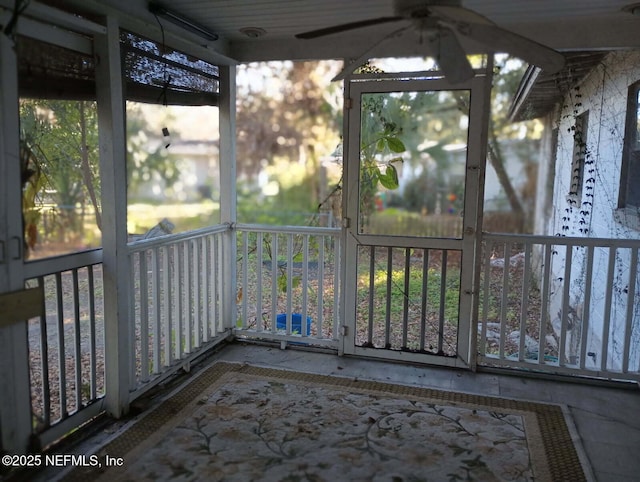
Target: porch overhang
[
  {"x": 539, "y": 92},
  {"x": 565, "y": 26},
  {"x": 200, "y": 260}
]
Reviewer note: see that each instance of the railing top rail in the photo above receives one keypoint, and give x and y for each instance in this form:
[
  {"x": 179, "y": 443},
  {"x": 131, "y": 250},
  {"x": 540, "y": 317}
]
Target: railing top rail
[
  {"x": 562, "y": 240},
  {"x": 288, "y": 229},
  {"x": 170, "y": 239},
  {"x": 47, "y": 266}
]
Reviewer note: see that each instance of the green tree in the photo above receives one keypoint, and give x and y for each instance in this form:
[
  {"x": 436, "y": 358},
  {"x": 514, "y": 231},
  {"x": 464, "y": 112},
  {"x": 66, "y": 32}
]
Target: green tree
[
  {"x": 425, "y": 123},
  {"x": 437, "y": 117},
  {"x": 60, "y": 158},
  {"x": 285, "y": 109},
  {"x": 60, "y": 141},
  {"x": 380, "y": 145},
  {"x": 288, "y": 114},
  {"x": 507, "y": 76}
]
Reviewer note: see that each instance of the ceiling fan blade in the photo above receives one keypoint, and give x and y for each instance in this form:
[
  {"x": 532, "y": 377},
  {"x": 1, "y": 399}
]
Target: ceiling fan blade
[
  {"x": 451, "y": 57},
  {"x": 353, "y": 65},
  {"x": 346, "y": 26},
  {"x": 459, "y": 14},
  {"x": 501, "y": 40}
]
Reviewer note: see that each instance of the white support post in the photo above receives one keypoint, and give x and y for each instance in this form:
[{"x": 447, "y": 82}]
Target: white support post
[
  {"x": 476, "y": 177},
  {"x": 15, "y": 401},
  {"x": 349, "y": 214},
  {"x": 228, "y": 211},
  {"x": 113, "y": 174}
]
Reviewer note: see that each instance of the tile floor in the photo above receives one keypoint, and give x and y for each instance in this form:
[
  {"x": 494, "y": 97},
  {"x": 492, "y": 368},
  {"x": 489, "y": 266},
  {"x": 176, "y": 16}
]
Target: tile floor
[{"x": 606, "y": 420}]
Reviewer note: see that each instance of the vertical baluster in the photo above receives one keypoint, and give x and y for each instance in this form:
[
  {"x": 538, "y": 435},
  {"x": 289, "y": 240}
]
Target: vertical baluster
[
  {"x": 92, "y": 333},
  {"x": 44, "y": 350},
  {"x": 372, "y": 285},
  {"x": 144, "y": 317},
  {"x": 633, "y": 274},
  {"x": 177, "y": 301},
  {"x": 62, "y": 366},
  {"x": 305, "y": 282},
  {"x": 245, "y": 275},
  {"x": 321, "y": 284},
  {"x": 77, "y": 333},
  {"x": 274, "y": 280},
  {"x": 443, "y": 293},
  {"x": 187, "y": 307},
  {"x": 387, "y": 315},
  {"x": 290, "y": 286},
  {"x": 203, "y": 276},
  {"x": 213, "y": 286},
  {"x": 167, "y": 304},
  {"x": 196, "y": 274},
  {"x": 607, "y": 307},
  {"x": 586, "y": 311},
  {"x": 524, "y": 301},
  {"x": 206, "y": 281},
  {"x": 424, "y": 294},
  {"x": 546, "y": 283},
  {"x": 504, "y": 305},
  {"x": 206, "y": 287},
  {"x": 216, "y": 284},
  {"x": 405, "y": 306},
  {"x": 219, "y": 283},
  {"x": 482, "y": 349},
  {"x": 337, "y": 286},
  {"x": 566, "y": 306},
  {"x": 259, "y": 264},
  {"x": 157, "y": 312},
  {"x": 133, "y": 320},
  {"x": 213, "y": 282}
]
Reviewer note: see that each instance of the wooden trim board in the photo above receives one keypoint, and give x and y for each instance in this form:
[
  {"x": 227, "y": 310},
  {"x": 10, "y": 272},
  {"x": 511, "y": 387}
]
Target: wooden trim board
[{"x": 21, "y": 305}]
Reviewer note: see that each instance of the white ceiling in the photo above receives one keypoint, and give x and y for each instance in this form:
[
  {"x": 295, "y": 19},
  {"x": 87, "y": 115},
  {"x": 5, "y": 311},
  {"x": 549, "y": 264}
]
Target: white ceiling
[{"x": 561, "y": 24}]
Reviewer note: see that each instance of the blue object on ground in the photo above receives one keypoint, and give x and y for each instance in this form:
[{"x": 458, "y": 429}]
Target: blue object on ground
[{"x": 296, "y": 323}]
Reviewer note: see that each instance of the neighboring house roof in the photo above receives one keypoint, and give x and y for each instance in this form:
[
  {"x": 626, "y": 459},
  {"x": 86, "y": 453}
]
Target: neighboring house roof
[{"x": 539, "y": 92}]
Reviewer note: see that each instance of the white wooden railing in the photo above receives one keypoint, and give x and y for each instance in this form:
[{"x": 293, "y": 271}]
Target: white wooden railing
[
  {"x": 561, "y": 305},
  {"x": 408, "y": 299},
  {"x": 288, "y": 284},
  {"x": 552, "y": 304},
  {"x": 176, "y": 302},
  {"x": 66, "y": 344}
]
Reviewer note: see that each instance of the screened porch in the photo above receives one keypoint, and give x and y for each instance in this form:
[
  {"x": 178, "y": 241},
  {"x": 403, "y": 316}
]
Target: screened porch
[{"x": 98, "y": 322}]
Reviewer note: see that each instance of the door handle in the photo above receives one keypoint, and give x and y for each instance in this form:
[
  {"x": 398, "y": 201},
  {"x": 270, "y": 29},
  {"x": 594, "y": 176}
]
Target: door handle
[{"x": 2, "y": 252}]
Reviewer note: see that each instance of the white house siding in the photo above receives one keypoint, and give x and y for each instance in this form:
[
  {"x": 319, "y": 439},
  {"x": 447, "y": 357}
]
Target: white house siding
[
  {"x": 604, "y": 94},
  {"x": 546, "y": 178}
]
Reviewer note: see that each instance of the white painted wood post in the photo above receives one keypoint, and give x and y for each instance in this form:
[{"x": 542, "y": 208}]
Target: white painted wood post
[
  {"x": 474, "y": 206},
  {"x": 15, "y": 401},
  {"x": 113, "y": 174},
  {"x": 228, "y": 211},
  {"x": 350, "y": 188}
]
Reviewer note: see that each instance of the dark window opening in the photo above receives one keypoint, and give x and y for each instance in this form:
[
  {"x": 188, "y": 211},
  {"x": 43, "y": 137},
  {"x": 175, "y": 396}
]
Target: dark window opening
[{"x": 630, "y": 172}]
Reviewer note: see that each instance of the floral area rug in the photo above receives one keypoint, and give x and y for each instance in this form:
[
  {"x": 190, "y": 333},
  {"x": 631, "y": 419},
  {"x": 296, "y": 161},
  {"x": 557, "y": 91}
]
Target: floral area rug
[{"x": 244, "y": 423}]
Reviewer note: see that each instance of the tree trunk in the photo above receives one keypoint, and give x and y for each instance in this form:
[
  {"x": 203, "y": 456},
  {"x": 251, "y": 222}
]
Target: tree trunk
[
  {"x": 86, "y": 168},
  {"x": 497, "y": 161}
]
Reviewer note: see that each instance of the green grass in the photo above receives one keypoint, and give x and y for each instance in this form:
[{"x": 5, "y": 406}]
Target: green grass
[
  {"x": 397, "y": 295},
  {"x": 398, "y": 221}
]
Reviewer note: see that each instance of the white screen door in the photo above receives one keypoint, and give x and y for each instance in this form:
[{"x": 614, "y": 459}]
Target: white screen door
[{"x": 414, "y": 166}]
